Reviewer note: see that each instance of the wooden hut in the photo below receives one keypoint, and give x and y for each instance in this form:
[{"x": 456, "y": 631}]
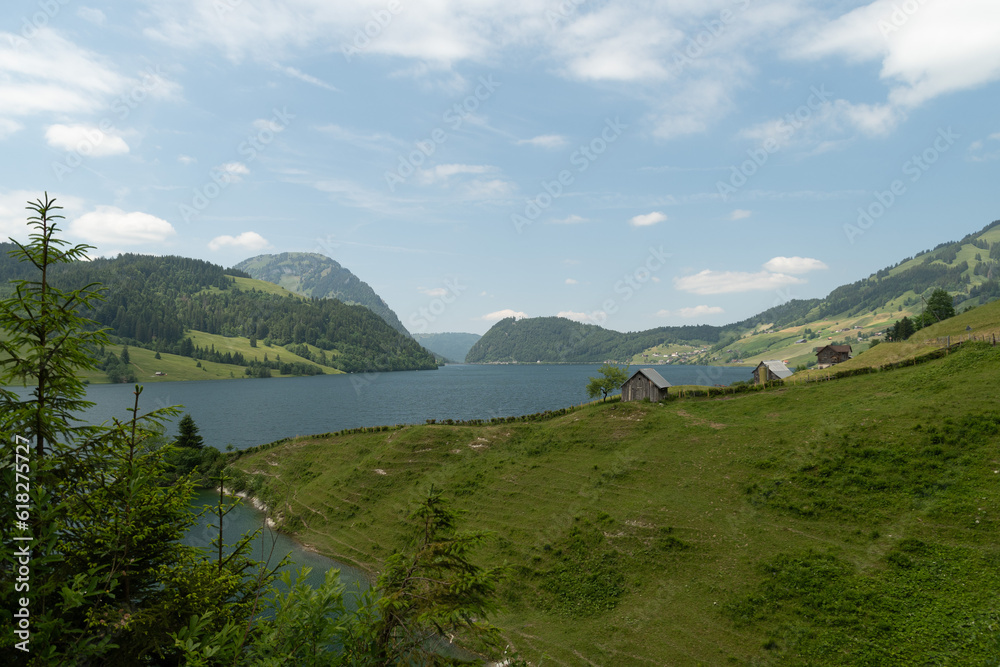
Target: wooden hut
[
  {"x": 645, "y": 383},
  {"x": 829, "y": 355},
  {"x": 769, "y": 371}
]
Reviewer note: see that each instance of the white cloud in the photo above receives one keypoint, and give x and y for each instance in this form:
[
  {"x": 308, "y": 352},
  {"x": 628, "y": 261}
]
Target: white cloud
[
  {"x": 110, "y": 224},
  {"x": 794, "y": 265},
  {"x": 569, "y": 220},
  {"x": 443, "y": 172},
  {"x": 965, "y": 52},
  {"x": 9, "y": 127},
  {"x": 307, "y": 78},
  {"x": 233, "y": 171},
  {"x": 48, "y": 74},
  {"x": 498, "y": 315},
  {"x": 494, "y": 189},
  {"x": 551, "y": 141},
  {"x": 87, "y": 140},
  {"x": 647, "y": 219},
  {"x": 572, "y": 281},
  {"x": 95, "y": 16},
  {"x": 985, "y": 150},
  {"x": 583, "y": 318},
  {"x": 186, "y": 159},
  {"x": 739, "y": 214},
  {"x": 434, "y": 291},
  {"x": 248, "y": 241},
  {"x": 727, "y": 282},
  {"x": 14, "y": 215},
  {"x": 695, "y": 311}
]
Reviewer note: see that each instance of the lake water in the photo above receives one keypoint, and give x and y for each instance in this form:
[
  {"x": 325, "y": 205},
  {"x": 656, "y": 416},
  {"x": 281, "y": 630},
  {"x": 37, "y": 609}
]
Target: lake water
[{"x": 245, "y": 413}]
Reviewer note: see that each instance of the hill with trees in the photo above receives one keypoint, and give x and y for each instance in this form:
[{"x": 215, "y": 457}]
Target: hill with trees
[
  {"x": 968, "y": 270},
  {"x": 158, "y": 303},
  {"x": 314, "y": 275}
]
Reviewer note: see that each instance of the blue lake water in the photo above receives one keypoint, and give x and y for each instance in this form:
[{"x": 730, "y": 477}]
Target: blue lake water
[{"x": 245, "y": 413}]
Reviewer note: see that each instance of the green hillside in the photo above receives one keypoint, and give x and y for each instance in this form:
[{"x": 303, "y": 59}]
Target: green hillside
[
  {"x": 853, "y": 314},
  {"x": 318, "y": 276},
  {"x": 837, "y": 523},
  {"x": 157, "y": 302}
]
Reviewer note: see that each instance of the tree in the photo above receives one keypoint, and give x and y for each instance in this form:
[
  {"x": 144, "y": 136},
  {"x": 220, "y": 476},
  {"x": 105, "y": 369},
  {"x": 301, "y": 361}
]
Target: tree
[
  {"x": 125, "y": 356},
  {"x": 436, "y": 591},
  {"x": 110, "y": 578},
  {"x": 939, "y": 306},
  {"x": 187, "y": 433},
  {"x": 611, "y": 377}
]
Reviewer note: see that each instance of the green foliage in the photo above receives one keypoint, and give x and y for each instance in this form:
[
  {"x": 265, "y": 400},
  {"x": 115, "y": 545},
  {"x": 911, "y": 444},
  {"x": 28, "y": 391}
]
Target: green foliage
[
  {"x": 187, "y": 433},
  {"x": 611, "y": 378},
  {"x": 588, "y": 577},
  {"x": 109, "y": 579},
  {"x": 437, "y": 590}
]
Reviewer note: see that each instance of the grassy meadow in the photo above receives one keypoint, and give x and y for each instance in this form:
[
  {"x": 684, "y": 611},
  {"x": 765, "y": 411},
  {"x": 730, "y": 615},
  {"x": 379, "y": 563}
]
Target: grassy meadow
[{"x": 836, "y": 523}]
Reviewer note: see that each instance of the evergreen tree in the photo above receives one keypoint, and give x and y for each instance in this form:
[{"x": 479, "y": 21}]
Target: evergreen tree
[
  {"x": 187, "y": 433},
  {"x": 125, "y": 356}
]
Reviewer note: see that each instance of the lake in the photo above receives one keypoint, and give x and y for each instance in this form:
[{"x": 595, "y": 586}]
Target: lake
[{"x": 245, "y": 413}]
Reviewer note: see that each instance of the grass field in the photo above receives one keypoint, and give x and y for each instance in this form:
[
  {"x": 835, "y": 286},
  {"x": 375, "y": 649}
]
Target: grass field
[
  {"x": 179, "y": 368},
  {"x": 837, "y": 523}
]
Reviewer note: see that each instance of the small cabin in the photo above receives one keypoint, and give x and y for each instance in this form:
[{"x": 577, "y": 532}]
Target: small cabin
[
  {"x": 829, "y": 355},
  {"x": 645, "y": 383},
  {"x": 769, "y": 371}
]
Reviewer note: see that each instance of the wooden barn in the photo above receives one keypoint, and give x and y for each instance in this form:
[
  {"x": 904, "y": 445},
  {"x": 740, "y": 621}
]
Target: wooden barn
[
  {"x": 832, "y": 354},
  {"x": 645, "y": 383},
  {"x": 769, "y": 371}
]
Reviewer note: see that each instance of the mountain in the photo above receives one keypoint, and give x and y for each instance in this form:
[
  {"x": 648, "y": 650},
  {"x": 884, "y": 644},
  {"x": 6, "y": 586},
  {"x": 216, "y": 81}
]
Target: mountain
[
  {"x": 175, "y": 304},
  {"x": 451, "y": 346},
  {"x": 314, "y": 275},
  {"x": 854, "y": 314},
  {"x": 559, "y": 340}
]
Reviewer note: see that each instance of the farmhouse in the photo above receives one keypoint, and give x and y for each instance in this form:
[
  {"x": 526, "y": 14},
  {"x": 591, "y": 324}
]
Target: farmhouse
[
  {"x": 832, "y": 354},
  {"x": 769, "y": 371},
  {"x": 645, "y": 383}
]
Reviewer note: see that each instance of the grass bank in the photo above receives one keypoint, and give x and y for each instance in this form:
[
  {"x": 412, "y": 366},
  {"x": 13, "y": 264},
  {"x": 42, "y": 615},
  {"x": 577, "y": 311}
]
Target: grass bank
[{"x": 846, "y": 522}]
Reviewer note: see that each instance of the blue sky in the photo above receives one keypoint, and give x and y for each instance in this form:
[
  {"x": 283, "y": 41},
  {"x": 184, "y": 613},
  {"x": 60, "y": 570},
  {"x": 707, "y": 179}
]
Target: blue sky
[{"x": 631, "y": 164}]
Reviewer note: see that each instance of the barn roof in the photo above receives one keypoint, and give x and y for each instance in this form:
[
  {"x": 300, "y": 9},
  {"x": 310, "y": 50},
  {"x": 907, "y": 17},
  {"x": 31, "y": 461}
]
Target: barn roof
[
  {"x": 652, "y": 376},
  {"x": 835, "y": 348},
  {"x": 778, "y": 368}
]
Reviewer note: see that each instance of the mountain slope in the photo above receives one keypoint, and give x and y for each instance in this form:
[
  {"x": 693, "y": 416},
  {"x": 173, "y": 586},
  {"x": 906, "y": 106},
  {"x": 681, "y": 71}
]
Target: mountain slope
[
  {"x": 162, "y": 303},
  {"x": 315, "y": 275},
  {"x": 969, "y": 269},
  {"x": 451, "y": 346}
]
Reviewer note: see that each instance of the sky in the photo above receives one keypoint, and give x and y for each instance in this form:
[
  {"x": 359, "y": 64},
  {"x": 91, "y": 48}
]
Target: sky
[{"x": 631, "y": 164}]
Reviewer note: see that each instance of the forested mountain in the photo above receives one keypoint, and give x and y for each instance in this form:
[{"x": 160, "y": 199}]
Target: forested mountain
[
  {"x": 153, "y": 301},
  {"x": 451, "y": 346},
  {"x": 557, "y": 339},
  {"x": 968, "y": 269},
  {"x": 318, "y": 276}
]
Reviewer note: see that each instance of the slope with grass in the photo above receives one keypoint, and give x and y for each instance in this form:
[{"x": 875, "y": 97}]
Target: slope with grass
[{"x": 837, "y": 523}]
